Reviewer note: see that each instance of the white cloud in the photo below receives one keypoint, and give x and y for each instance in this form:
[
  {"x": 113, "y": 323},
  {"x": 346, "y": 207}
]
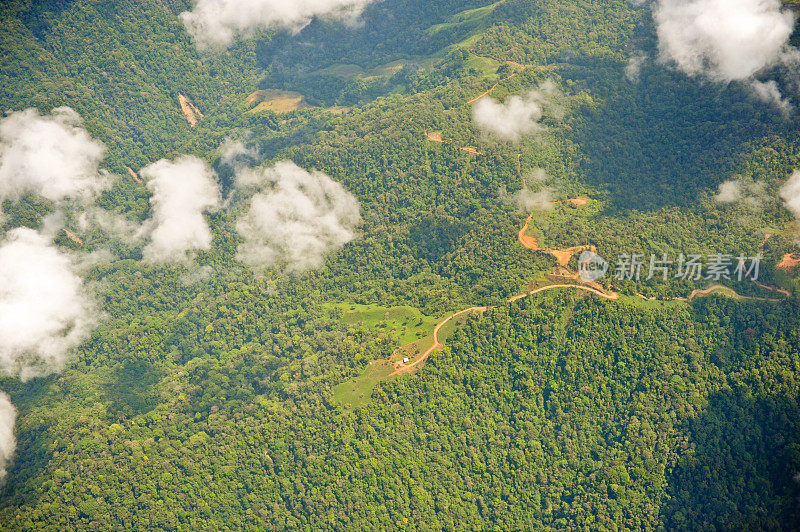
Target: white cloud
[
  {"x": 182, "y": 190},
  {"x": 634, "y": 67},
  {"x": 44, "y": 312},
  {"x": 534, "y": 194},
  {"x": 743, "y": 190},
  {"x": 8, "y": 416},
  {"x": 724, "y": 40},
  {"x": 114, "y": 225},
  {"x": 217, "y": 23},
  {"x": 528, "y": 200},
  {"x": 729, "y": 192},
  {"x": 768, "y": 92},
  {"x": 296, "y": 218},
  {"x": 49, "y": 155},
  {"x": 235, "y": 153},
  {"x": 790, "y": 192},
  {"x": 518, "y": 116}
]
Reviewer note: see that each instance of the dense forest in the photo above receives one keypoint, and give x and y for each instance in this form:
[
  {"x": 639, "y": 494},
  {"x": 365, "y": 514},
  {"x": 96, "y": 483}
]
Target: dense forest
[{"x": 207, "y": 393}]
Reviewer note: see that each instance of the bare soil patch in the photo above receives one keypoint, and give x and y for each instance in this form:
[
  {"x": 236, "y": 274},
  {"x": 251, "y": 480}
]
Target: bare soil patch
[
  {"x": 134, "y": 175},
  {"x": 192, "y": 113},
  {"x": 788, "y": 263},
  {"x": 277, "y": 101},
  {"x": 72, "y": 236},
  {"x": 472, "y": 150},
  {"x": 435, "y": 136}
]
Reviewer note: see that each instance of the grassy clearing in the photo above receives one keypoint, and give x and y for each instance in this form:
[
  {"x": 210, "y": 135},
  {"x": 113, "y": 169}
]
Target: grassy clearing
[
  {"x": 342, "y": 70},
  {"x": 390, "y": 69},
  {"x": 404, "y": 324},
  {"x": 413, "y": 350},
  {"x": 449, "y": 328},
  {"x": 467, "y": 43},
  {"x": 413, "y": 330},
  {"x": 485, "y": 65},
  {"x": 350, "y": 71},
  {"x": 639, "y": 302},
  {"x": 471, "y": 18},
  {"x": 356, "y": 392},
  {"x": 276, "y": 101}
]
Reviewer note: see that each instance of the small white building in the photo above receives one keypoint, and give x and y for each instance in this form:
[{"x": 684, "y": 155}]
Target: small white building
[{"x": 405, "y": 360}]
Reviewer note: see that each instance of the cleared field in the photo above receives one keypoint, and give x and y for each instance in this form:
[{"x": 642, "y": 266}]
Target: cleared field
[
  {"x": 485, "y": 65},
  {"x": 415, "y": 336},
  {"x": 346, "y": 71},
  {"x": 420, "y": 347},
  {"x": 350, "y": 71},
  {"x": 356, "y": 392},
  {"x": 435, "y": 136},
  {"x": 418, "y": 341},
  {"x": 470, "y": 19},
  {"x": 276, "y": 101},
  {"x": 405, "y": 324}
]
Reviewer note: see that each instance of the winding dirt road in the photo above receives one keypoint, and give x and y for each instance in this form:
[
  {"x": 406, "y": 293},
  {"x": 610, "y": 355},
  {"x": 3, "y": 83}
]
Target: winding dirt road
[
  {"x": 493, "y": 87},
  {"x": 405, "y": 368},
  {"x": 563, "y": 256},
  {"x": 402, "y": 368},
  {"x": 733, "y": 293}
]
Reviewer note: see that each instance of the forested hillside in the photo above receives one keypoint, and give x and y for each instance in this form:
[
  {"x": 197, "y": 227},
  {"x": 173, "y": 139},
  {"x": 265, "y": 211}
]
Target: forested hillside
[{"x": 295, "y": 367}]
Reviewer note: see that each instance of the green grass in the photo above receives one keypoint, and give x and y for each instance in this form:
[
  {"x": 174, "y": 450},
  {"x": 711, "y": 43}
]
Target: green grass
[
  {"x": 414, "y": 331},
  {"x": 420, "y": 346},
  {"x": 414, "y": 349},
  {"x": 485, "y": 65},
  {"x": 637, "y": 301},
  {"x": 474, "y": 14},
  {"x": 723, "y": 291},
  {"x": 405, "y": 324},
  {"x": 467, "y": 43},
  {"x": 351, "y": 71},
  {"x": 470, "y": 17},
  {"x": 357, "y": 392}
]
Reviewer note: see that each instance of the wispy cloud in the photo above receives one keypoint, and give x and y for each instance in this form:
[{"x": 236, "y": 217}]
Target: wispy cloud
[
  {"x": 790, "y": 192},
  {"x": 51, "y": 156},
  {"x": 295, "y": 218},
  {"x": 742, "y": 190},
  {"x": 217, "y": 23},
  {"x": 534, "y": 194},
  {"x": 44, "y": 310},
  {"x": 769, "y": 92},
  {"x": 633, "y": 69},
  {"x": 183, "y": 190},
  {"x": 8, "y": 417},
  {"x": 517, "y": 116}
]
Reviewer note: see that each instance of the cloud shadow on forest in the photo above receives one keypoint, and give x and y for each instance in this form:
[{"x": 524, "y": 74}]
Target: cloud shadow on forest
[
  {"x": 664, "y": 140},
  {"x": 33, "y": 452},
  {"x": 742, "y": 473},
  {"x": 133, "y": 388}
]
